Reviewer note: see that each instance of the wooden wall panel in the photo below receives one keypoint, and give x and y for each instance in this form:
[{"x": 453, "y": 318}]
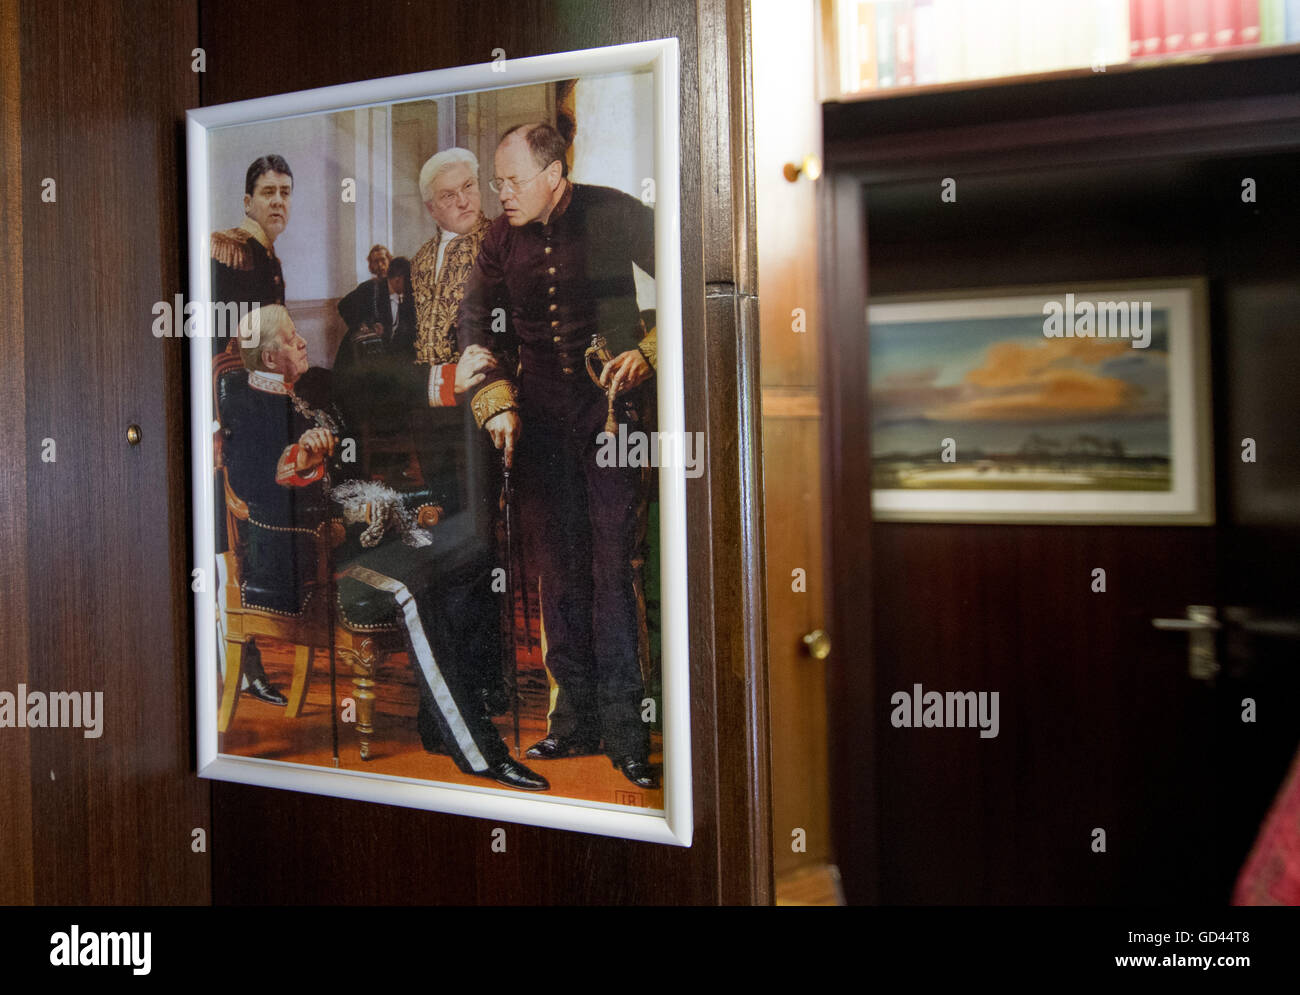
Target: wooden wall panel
[
  {"x": 279, "y": 847},
  {"x": 786, "y": 132},
  {"x": 104, "y": 87},
  {"x": 15, "y": 785}
]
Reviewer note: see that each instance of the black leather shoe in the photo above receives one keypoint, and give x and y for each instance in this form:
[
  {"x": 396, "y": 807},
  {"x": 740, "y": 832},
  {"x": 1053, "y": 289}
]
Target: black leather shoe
[
  {"x": 640, "y": 773},
  {"x": 263, "y": 690},
  {"x": 558, "y": 747},
  {"x": 513, "y": 774}
]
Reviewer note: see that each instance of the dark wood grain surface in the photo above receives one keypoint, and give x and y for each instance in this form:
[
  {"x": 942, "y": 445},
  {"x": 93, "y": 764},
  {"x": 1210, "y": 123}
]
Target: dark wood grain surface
[
  {"x": 15, "y": 771},
  {"x": 104, "y": 88}
]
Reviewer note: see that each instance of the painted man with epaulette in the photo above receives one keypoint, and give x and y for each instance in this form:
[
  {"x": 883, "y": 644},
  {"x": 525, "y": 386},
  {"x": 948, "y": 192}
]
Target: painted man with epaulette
[
  {"x": 246, "y": 275},
  {"x": 245, "y": 270}
]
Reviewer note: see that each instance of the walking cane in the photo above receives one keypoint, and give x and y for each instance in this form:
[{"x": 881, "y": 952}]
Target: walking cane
[
  {"x": 331, "y": 587},
  {"x": 508, "y": 500}
]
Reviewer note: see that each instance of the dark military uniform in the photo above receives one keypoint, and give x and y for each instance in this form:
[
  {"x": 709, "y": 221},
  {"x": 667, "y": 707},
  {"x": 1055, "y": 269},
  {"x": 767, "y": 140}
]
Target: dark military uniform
[
  {"x": 366, "y": 304},
  {"x": 245, "y": 270},
  {"x": 365, "y": 368},
  {"x": 440, "y": 594},
  {"x": 561, "y": 283}
]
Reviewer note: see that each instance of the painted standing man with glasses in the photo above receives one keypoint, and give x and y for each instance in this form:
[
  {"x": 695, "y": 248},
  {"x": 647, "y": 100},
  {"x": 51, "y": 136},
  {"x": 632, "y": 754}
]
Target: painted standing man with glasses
[{"x": 559, "y": 264}]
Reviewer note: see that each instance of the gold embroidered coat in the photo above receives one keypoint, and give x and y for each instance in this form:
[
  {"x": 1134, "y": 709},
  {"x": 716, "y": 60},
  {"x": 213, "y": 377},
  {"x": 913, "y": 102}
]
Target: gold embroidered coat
[{"x": 438, "y": 295}]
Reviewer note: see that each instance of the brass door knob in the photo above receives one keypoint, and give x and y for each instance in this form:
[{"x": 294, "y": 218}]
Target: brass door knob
[
  {"x": 818, "y": 643},
  {"x": 811, "y": 168}
]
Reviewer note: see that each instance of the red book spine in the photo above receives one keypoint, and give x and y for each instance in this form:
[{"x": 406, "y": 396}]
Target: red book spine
[
  {"x": 1248, "y": 26},
  {"x": 1153, "y": 27},
  {"x": 1225, "y": 16}
]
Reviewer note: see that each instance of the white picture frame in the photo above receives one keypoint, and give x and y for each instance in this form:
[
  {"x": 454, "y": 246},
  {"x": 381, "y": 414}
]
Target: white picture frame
[{"x": 673, "y": 824}]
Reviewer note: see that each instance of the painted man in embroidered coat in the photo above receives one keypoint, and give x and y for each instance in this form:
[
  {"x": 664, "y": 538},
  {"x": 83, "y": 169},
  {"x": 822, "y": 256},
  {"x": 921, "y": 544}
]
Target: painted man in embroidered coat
[
  {"x": 449, "y": 186},
  {"x": 418, "y": 375},
  {"x": 401, "y": 561}
]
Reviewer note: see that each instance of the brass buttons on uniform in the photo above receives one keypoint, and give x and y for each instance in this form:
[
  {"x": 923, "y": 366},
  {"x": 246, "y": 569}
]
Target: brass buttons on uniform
[
  {"x": 554, "y": 307},
  {"x": 133, "y": 434},
  {"x": 558, "y": 338},
  {"x": 547, "y": 250},
  {"x": 551, "y": 291},
  {"x": 550, "y": 270}
]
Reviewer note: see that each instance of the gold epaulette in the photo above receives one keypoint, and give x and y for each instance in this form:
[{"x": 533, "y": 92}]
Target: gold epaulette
[
  {"x": 649, "y": 347},
  {"x": 493, "y": 399},
  {"x": 231, "y": 248}
]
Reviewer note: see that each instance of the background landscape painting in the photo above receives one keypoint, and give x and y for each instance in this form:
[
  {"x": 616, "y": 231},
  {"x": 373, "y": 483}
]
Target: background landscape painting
[{"x": 1025, "y": 412}]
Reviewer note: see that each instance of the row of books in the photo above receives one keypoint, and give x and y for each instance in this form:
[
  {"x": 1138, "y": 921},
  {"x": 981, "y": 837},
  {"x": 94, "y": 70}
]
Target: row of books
[{"x": 897, "y": 43}]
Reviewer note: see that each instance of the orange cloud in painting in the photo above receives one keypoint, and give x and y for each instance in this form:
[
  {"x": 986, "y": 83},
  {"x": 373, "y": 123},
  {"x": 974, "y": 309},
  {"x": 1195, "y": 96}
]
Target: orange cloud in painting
[
  {"x": 1042, "y": 381},
  {"x": 1008, "y": 364}
]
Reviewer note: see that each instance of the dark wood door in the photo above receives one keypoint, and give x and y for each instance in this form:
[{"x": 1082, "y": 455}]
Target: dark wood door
[{"x": 1101, "y": 726}]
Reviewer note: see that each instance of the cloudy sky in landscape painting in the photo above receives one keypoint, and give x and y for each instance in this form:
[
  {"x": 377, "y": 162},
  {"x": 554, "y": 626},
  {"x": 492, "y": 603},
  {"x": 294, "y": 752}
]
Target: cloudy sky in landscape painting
[{"x": 990, "y": 383}]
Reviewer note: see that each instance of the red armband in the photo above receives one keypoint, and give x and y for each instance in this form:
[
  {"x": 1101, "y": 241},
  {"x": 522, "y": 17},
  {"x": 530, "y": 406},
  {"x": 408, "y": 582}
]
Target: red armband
[
  {"x": 442, "y": 385},
  {"x": 286, "y": 471}
]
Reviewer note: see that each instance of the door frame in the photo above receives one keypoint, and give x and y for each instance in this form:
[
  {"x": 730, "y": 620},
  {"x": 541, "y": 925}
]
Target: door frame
[{"x": 1209, "y": 110}]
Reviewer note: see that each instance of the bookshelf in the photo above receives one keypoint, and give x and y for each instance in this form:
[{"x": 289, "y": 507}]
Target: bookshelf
[{"x": 891, "y": 47}]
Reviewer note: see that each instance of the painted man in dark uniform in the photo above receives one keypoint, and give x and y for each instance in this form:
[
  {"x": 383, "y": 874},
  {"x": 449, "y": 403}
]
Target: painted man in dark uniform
[
  {"x": 401, "y": 561},
  {"x": 559, "y": 263},
  {"x": 381, "y": 339},
  {"x": 365, "y": 303}
]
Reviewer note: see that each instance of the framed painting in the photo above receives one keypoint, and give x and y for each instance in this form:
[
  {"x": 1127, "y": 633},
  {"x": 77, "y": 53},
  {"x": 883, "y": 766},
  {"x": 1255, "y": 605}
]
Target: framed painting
[
  {"x": 1073, "y": 404},
  {"x": 439, "y": 451}
]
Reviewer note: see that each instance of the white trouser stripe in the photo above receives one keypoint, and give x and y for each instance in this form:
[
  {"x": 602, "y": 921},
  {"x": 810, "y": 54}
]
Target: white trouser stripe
[{"x": 428, "y": 665}]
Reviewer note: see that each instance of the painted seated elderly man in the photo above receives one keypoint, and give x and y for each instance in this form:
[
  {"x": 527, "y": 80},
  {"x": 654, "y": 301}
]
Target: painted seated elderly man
[{"x": 401, "y": 562}]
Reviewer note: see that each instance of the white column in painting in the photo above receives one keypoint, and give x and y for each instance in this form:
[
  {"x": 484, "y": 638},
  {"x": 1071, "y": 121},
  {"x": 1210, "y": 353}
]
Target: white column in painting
[
  {"x": 447, "y": 125},
  {"x": 361, "y": 156}
]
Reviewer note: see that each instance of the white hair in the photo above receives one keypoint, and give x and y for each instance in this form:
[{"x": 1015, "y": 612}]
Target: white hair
[
  {"x": 443, "y": 160},
  {"x": 263, "y": 329}
]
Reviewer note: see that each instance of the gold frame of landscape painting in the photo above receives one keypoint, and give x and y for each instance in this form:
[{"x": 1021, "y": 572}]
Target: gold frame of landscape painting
[
  {"x": 337, "y": 586},
  {"x": 1007, "y": 405}
]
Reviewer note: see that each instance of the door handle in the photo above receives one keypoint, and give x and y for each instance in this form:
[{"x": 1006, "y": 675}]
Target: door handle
[
  {"x": 1200, "y": 626},
  {"x": 1278, "y": 626}
]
